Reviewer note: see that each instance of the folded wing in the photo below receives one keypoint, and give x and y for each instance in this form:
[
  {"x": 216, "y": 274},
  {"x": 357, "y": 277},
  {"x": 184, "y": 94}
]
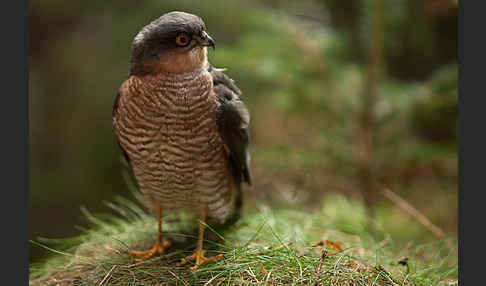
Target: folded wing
[{"x": 233, "y": 122}]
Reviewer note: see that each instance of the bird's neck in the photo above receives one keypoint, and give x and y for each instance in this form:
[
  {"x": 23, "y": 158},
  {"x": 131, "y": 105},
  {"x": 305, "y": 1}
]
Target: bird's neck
[
  {"x": 173, "y": 62},
  {"x": 181, "y": 88},
  {"x": 191, "y": 77}
]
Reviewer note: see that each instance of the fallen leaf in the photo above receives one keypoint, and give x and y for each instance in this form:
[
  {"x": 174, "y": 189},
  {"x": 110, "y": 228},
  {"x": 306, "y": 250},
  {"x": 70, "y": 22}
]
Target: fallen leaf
[
  {"x": 335, "y": 245},
  {"x": 319, "y": 243}
]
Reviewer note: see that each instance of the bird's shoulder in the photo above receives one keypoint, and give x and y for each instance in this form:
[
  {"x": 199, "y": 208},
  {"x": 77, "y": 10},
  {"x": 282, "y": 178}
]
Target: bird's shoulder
[
  {"x": 221, "y": 80},
  {"x": 128, "y": 89}
]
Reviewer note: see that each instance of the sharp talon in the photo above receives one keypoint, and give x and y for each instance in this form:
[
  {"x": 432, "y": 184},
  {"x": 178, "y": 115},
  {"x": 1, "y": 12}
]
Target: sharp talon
[
  {"x": 158, "y": 248},
  {"x": 214, "y": 258},
  {"x": 200, "y": 259},
  {"x": 182, "y": 262},
  {"x": 137, "y": 253}
]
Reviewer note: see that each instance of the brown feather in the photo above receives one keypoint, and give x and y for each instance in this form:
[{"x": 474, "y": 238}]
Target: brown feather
[{"x": 166, "y": 124}]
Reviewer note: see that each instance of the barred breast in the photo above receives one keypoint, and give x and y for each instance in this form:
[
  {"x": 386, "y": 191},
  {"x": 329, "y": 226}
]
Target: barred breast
[{"x": 167, "y": 126}]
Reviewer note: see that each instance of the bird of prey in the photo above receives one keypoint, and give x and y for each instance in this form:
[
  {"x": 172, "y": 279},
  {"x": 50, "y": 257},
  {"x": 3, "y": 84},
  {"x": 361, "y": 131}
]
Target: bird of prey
[{"x": 182, "y": 126}]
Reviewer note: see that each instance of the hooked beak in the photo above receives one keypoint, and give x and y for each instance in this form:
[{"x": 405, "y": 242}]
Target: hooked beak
[{"x": 207, "y": 41}]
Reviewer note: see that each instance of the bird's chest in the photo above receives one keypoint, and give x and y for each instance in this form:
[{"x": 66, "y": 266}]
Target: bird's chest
[
  {"x": 175, "y": 128},
  {"x": 168, "y": 129}
]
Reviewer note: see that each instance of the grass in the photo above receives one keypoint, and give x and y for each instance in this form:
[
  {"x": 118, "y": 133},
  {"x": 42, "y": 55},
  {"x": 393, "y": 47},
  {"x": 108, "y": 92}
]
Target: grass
[{"x": 266, "y": 247}]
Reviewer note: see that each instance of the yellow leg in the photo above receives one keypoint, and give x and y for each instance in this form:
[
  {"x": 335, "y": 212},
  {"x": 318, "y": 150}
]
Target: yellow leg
[
  {"x": 198, "y": 254},
  {"x": 159, "y": 247}
]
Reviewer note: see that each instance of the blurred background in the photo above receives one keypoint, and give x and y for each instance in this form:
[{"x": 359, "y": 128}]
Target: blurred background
[{"x": 347, "y": 98}]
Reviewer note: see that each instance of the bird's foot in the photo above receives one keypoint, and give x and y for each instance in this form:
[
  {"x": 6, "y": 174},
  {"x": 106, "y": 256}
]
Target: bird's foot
[
  {"x": 159, "y": 247},
  {"x": 199, "y": 257}
]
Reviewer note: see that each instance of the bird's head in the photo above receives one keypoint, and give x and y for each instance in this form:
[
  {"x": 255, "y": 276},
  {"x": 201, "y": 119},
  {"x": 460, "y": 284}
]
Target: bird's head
[{"x": 176, "y": 42}]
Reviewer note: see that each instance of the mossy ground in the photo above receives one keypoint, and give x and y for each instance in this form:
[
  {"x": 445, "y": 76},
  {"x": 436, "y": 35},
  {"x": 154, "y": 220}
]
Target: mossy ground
[{"x": 266, "y": 247}]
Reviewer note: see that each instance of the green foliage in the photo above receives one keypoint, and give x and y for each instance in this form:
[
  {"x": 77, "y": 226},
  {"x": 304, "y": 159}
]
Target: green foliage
[
  {"x": 267, "y": 246},
  {"x": 435, "y": 115}
]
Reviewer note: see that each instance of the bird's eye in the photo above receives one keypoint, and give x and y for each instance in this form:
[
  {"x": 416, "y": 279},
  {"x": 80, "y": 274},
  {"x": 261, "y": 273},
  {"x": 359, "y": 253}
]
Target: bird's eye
[{"x": 182, "y": 39}]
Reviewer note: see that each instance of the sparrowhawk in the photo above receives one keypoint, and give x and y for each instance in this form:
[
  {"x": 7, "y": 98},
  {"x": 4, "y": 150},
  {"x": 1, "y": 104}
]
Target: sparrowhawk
[{"x": 182, "y": 126}]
